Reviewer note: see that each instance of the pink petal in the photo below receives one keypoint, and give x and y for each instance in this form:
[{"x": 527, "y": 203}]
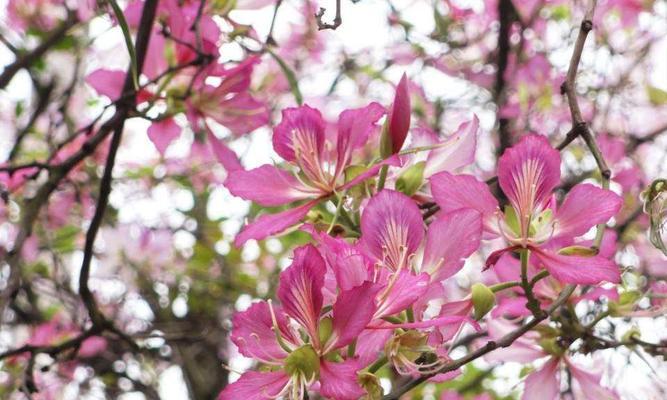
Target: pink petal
[
  {"x": 253, "y": 385},
  {"x": 254, "y": 336},
  {"x": 578, "y": 269},
  {"x": 339, "y": 380},
  {"x": 393, "y": 161},
  {"x": 240, "y": 114},
  {"x": 527, "y": 173},
  {"x": 299, "y": 134},
  {"x": 451, "y": 238},
  {"x": 584, "y": 207},
  {"x": 543, "y": 384},
  {"x": 391, "y": 227},
  {"x": 350, "y": 267},
  {"x": 435, "y": 322},
  {"x": 162, "y": 133},
  {"x": 223, "y": 154},
  {"x": 268, "y": 186},
  {"x": 354, "y": 127},
  {"x": 456, "y": 151},
  {"x": 352, "y": 311},
  {"x": 407, "y": 289},
  {"x": 271, "y": 224},
  {"x": 588, "y": 384},
  {"x": 522, "y": 350},
  {"x": 453, "y": 192},
  {"x": 511, "y": 308},
  {"x": 370, "y": 345},
  {"x": 107, "y": 82},
  {"x": 300, "y": 289},
  {"x": 399, "y": 116}
]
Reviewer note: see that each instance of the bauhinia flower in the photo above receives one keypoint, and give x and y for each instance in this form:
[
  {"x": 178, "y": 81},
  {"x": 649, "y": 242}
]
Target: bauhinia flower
[
  {"x": 320, "y": 162},
  {"x": 300, "y": 340},
  {"x": 528, "y": 174},
  {"x": 544, "y": 382}
]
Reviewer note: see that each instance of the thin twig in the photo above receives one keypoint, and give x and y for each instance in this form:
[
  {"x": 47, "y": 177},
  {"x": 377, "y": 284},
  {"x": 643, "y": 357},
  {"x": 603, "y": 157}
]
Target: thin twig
[{"x": 321, "y": 25}]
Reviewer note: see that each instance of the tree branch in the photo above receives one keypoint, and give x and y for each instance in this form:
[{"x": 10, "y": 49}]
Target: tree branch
[
  {"x": 29, "y": 58},
  {"x": 505, "y": 341}
]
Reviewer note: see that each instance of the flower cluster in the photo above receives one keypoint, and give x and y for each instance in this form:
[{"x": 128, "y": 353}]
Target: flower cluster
[{"x": 374, "y": 286}]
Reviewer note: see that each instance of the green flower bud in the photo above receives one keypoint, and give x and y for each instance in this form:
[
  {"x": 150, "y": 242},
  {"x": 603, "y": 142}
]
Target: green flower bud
[
  {"x": 577, "y": 251},
  {"x": 483, "y": 300},
  {"x": 412, "y": 179}
]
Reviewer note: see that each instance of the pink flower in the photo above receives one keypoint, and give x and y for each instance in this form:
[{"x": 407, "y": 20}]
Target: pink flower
[
  {"x": 300, "y": 140},
  {"x": 528, "y": 174},
  {"x": 298, "y": 357}
]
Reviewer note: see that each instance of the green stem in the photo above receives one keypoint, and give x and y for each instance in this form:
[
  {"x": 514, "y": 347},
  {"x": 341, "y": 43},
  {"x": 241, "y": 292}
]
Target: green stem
[
  {"x": 538, "y": 277},
  {"x": 410, "y": 314},
  {"x": 377, "y": 364},
  {"x": 532, "y": 304},
  {"x": 502, "y": 286},
  {"x": 383, "y": 177},
  {"x": 339, "y": 207}
]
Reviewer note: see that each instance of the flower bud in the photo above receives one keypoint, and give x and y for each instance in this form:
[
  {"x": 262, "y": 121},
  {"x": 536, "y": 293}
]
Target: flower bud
[
  {"x": 398, "y": 122},
  {"x": 483, "y": 300},
  {"x": 655, "y": 205},
  {"x": 412, "y": 179},
  {"x": 577, "y": 251}
]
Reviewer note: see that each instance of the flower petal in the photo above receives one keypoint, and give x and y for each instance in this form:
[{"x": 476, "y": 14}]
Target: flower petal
[
  {"x": 300, "y": 134},
  {"x": 543, "y": 384},
  {"x": 578, "y": 269},
  {"x": 453, "y": 192},
  {"x": 162, "y": 133},
  {"x": 107, "y": 82},
  {"x": 352, "y": 311},
  {"x": 527, "y": 173},
  {"x": 254, "y": 336},
  {"x": 253, "y": 385},
  {"x": 456, "y": 151},
  {"x": 391, "y": 228},
  {"x": 393, "y": 161},
  {"x": 588, "y": 384},
  {"x": 450, "y": 239},
  {"x": 354, "y": 127},
  {"x": 406, "y": 289},
  {"x": 223, "y": 154},
  {"x": 271, "y": 224},
  {"x": 300, "y": 289},
  {"x": 584, "y": 207},
  {"x": 339, "y": 380},
  {"x": 268, "y": 186}
]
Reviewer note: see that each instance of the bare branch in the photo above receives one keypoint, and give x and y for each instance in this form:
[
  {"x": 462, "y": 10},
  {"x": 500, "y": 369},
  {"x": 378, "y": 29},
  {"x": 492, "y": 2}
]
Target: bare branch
[{"x": 321, "y": 25}]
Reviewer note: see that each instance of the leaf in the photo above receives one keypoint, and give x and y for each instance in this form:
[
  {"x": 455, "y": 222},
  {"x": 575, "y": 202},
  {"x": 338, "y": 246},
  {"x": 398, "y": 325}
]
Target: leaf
[
  {"x": 63, "y": 241},
  {"x": 120, "y": 17},
  {"x": 656, "y": 95},
  {"x": 291, "y": 78}
]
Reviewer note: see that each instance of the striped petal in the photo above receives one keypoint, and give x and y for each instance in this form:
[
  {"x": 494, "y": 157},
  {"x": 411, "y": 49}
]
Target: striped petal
[
  {"x": 391, "y": 228},
  {"x": 300, "y": 289},
  {"x": 527, "y": 173}
]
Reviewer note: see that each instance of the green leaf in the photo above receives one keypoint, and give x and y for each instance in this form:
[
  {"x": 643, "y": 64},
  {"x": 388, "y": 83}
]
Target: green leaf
[
  {"x": 63, "y": 241},
  {"x": 291, "y": 78},
  {"x": 120, "y": 17},
  {"x": 656, "y": 95}
]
